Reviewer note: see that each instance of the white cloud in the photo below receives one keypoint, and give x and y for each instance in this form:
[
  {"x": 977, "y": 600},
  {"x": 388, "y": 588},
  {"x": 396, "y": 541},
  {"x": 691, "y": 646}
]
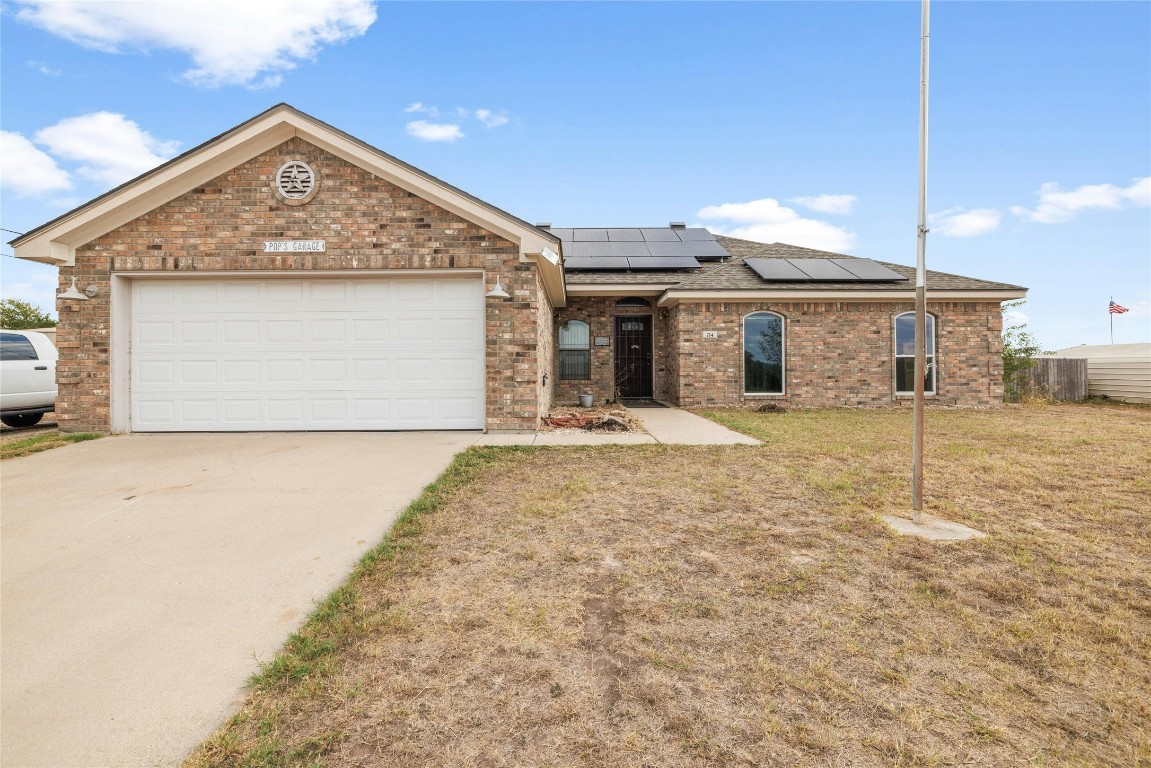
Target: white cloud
[
  {"x": 1056, "y": 205},
  {"x": 439, "y": 131},
  {"x": 1015, "y": 318},
  {"x": 426, "y": 131},
  {"x": 767, "y": 221},
  {"x": 26, "y": 170},
  {"x": 110, "y": 148},
  {"x": 44, "y": 69},
  {"x": 841, "y": 204},
  {"x": 491, "y": 119},
  {"x": 420, "y": 108},
  {"x": 230, "y": 43},
  {"x": 959, "y": 222}
]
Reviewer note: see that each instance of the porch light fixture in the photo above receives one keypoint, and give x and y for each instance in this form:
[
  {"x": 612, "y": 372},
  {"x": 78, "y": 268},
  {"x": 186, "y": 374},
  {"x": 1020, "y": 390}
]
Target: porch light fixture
[
  {"x": 73, "y": 293},
  {"x": 499, "y": 292}
]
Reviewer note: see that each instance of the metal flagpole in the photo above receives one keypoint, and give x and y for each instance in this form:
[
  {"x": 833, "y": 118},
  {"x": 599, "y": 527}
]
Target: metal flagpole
[
  {"x": 921, "y": 274},
  {"x": 1111, "y": 315}
]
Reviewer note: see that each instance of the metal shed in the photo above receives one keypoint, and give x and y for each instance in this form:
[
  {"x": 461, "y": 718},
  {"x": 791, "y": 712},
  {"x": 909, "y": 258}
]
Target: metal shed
[{"x": 1118, "y": 371}]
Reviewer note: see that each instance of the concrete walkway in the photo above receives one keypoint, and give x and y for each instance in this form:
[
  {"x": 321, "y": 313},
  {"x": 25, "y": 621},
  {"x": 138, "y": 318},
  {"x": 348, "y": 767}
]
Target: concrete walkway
[
  {"x": 143, "y": 575},
  {"x": 670, "y": 426},
  {"x": 677, "y": 427}
]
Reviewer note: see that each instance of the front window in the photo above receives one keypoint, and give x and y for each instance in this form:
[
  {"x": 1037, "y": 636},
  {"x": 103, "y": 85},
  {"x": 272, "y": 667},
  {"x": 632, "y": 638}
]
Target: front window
[
  {"x": 575, "y": 351},
  {"x": 905, "y": 355},
  {"x": 763, "y": 354}
]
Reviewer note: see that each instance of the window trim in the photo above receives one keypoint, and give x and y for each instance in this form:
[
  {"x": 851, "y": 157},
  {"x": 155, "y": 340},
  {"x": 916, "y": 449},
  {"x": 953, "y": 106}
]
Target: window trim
[
  {"x": 782, "y": 355},
  {"x": 932, "y": 360},
  {"x": 560, "y": 348}
]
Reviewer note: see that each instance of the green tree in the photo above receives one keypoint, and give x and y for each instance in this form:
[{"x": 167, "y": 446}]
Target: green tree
[
  {"x": 1019, "y": 351},
  {"x": 17, "y": 315}
]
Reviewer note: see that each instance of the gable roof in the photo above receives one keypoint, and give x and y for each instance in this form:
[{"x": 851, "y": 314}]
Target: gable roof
[
  {"x": 56, "y": 241},
  {"x": 734, "y": 279}
]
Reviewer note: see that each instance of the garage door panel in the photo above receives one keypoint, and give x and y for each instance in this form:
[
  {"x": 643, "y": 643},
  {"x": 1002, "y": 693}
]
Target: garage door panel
[
  {"x": 203, "y": 410},
  {"x": 198, "y": 372},
  {"x": 239, "y": 331},
  {"x": 257, "y": 354},
  {"x": 414, "y": 293},
  {"x": 362, "y": 411}
]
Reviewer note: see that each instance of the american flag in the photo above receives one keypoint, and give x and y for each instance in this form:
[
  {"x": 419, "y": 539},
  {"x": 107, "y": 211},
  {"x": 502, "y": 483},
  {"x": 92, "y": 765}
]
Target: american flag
[{"x": 1116, "y": 309}]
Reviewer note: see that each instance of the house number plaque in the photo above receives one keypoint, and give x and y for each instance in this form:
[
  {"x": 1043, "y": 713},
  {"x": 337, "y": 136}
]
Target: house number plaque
[{"x": 711, "y": 334}]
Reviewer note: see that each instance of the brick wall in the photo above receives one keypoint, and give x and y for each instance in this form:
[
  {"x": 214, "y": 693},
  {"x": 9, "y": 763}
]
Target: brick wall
[
  {"x": 545, "y": 349},
  {"x": 367, "y": 223},
  {"x": 599, "y": 312},
  {"x": 836, "y": 353}
]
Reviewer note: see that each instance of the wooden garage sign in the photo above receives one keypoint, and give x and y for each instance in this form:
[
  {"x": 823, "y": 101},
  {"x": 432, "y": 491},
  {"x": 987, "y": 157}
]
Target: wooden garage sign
[{"x": 294, "y": 246}]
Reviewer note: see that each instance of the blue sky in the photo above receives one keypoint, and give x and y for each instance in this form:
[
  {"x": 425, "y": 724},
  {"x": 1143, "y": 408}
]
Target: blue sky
[{"x": 790, "y": 122}]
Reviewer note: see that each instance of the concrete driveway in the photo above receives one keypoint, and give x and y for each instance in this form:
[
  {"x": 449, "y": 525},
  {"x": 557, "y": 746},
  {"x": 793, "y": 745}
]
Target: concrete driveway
[{"x": 144, "y": 575}]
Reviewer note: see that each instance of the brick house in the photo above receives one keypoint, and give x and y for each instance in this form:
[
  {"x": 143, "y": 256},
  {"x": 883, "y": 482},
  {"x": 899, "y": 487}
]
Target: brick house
[{"x": 286, "y": 276}]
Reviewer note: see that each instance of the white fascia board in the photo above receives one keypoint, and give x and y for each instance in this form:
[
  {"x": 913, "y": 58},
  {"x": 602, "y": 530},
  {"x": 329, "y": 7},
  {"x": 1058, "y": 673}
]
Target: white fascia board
[
  {"x": 57, "y": 244},
  {"x": 695, "y": 297},
  {"x": 617, "y": 289}
]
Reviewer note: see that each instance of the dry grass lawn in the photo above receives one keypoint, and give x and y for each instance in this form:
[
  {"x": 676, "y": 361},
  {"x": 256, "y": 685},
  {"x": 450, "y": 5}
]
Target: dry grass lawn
[
  {"x": 15, "y": 443},
  {"x": 663, "y": 606}
]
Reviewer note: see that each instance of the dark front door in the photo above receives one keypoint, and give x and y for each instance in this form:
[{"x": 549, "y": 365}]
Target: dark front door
[{"x": 633, "y": 356}]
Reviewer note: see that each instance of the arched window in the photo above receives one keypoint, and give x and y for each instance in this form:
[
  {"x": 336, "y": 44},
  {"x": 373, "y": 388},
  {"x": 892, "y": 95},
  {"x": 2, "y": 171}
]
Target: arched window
[
  {"x": 763, "y": 354},
  {"x": 905, "y": 355},
  {"x": 575, "y": 351},
  {"x": 633, "y": 301}
]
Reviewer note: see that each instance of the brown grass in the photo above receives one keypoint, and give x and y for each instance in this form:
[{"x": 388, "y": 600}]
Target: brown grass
[
  {"x": 14, "y": 445},
  {"x": 658, "y": 606}
]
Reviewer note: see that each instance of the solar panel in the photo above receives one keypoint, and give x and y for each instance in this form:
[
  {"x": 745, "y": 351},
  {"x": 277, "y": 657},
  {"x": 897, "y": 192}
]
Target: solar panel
[
  {"x": 589, "y": 235},
  {"x": 624, "y": 235},
  {"x": 668, "y": 249},
  {"x": 774, "y": 270},
  {"x": 868, "y": 270},
  {"x": 706, "y": 250},
  {"x": 664, "y": 262},
  {"x": 694, "y": 233},
  {"x": 661, "y": 234},
  {"x": 587, "y": 250},
  {"x": 595, "y": 263},
  {"x": 626, "y": 249},
  {"x": 562, "y": 234},
  {"x": 822, "y": 270}
]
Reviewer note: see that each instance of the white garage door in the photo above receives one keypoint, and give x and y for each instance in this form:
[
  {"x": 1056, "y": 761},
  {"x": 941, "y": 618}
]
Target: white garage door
[{"x": 307, "y": 354}]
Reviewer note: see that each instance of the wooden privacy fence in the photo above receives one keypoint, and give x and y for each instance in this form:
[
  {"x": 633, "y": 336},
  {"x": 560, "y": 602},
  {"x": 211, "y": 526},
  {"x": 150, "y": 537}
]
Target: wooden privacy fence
[{"x": 1060, "y": 378}]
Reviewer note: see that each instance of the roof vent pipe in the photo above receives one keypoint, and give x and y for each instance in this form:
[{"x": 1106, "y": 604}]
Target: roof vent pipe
[
  {"x": 677, "y": 225},
  {"x": 544, "y": 225}
]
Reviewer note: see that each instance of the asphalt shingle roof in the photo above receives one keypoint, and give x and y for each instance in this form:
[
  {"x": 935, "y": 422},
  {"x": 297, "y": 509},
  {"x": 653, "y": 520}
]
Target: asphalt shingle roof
[{"x": 734, "y": 275}]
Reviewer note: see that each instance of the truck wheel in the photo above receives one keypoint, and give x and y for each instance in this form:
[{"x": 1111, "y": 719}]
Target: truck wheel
[{"x": 22, "y": 419}]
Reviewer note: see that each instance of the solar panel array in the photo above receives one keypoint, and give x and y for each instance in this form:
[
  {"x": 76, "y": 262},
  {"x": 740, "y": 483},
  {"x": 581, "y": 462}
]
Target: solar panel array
[
  {"x": 823, "y": 271},
  {"x": 662, "y": 248}
]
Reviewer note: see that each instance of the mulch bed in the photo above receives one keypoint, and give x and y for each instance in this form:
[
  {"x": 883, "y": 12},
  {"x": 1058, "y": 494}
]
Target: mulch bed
[{"x": 573, "y": 419}]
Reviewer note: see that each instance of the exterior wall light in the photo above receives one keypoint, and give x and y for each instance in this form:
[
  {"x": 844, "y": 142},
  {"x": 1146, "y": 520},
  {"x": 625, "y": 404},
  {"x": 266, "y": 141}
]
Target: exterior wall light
[
  {"x": 499, "y": 292},
  {"x": 73, "y": 293}
]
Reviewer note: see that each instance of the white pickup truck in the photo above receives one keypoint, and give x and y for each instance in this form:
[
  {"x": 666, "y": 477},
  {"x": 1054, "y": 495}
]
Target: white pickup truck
[{"x": 27, "y": 377}]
